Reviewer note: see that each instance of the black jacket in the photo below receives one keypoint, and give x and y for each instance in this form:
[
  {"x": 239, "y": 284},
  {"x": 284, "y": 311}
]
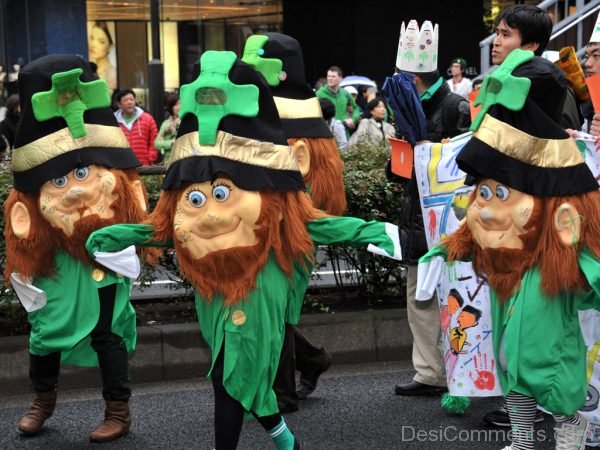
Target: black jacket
[{"x": 447, "y": 115}]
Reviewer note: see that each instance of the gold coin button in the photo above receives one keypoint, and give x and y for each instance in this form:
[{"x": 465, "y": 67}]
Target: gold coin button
[
  {"x": 239, "y": 317},
  {"x": 98, "y": 275}
]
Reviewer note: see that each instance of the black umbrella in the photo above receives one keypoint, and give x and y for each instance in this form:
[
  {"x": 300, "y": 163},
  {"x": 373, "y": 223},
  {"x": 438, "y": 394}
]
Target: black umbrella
[{"x": 401, "y": 94}]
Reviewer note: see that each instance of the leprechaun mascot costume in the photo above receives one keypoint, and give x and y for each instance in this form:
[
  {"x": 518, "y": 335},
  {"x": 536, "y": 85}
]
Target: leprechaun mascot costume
[
  {"x": 73, "y": 173},
  {"x": 235, "y": 209},
  {"x": 532, "y": 230},
  {"x": 279, "y": 58}
]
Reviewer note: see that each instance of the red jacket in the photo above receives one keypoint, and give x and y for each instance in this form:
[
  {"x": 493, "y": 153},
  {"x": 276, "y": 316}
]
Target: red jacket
[{"x": 141, "y": 134}]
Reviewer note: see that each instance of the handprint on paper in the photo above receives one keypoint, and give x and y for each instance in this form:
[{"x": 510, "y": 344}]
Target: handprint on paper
[
  {"x": 485, "y": 379},
  {"x": 432, "y": 223}
]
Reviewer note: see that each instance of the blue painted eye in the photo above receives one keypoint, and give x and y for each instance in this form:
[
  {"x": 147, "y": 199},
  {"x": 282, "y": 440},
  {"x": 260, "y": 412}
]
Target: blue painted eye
[
  {"x": 60, "y": 182},
  {"x": 485, "y": 192},
  {"x": 221, "y": 193},
  {"x": 502, "y": 192},
  {"x": 81, "y": 173},
  {"x": 197, "y": 199}
]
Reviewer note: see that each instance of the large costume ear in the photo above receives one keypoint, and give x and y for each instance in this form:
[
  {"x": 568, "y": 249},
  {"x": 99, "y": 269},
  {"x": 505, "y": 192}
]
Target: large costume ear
[
  {"x": 567, "y": 223},
  {"x": 302, "y": 156},
  {"x": 20, "y": 220},
  {"x": 138, "y": 191}
]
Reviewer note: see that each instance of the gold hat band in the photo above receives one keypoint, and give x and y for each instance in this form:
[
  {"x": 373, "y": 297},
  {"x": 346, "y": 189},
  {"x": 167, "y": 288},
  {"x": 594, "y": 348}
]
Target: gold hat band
[
  {"x": 235, "y": 148},
  {"x": 60, "y": 142},
  {"x": 526, "y": 148},
  {"x": 289, "y": 108}
]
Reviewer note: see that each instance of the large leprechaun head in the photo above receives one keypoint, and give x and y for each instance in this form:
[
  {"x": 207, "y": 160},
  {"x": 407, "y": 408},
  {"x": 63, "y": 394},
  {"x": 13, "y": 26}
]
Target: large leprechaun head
[
  {"x": 279, "y": 58},
  {"x": 233, "y": 193},
  {"x": 536, "y": 202},
  {"x": 72, "y": 166}
]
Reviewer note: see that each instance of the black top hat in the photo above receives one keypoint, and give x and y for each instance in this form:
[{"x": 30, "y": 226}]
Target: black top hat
[
  {"x": 229, "y": 125},
  {"x": 279, "y": 58},
  {"x": 516, "y": 139},
  {"x": 66, "y": 122}
]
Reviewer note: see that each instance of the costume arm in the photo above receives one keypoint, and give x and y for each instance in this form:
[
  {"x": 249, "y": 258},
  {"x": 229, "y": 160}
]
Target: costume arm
[
  {"x": 429, "y": 272},
  {"x": 118, "y": 237},
  {"x": 380, "y": 238}
]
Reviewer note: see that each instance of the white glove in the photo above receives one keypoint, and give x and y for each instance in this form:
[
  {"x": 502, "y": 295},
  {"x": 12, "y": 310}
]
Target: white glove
[
  {"x": 31, "y": 297},
  {"x": 125, "y": 262},
  {"x": 428, "y": 276}
]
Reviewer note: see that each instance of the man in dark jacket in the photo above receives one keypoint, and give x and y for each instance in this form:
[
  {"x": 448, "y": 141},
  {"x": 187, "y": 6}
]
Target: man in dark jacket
[{"x": 447, "y": 115}]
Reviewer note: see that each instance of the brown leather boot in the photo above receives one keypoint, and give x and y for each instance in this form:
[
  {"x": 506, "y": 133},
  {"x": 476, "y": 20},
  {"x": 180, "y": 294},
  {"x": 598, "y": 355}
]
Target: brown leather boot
[
  {"x": 41, "y": 409},
  {"x": 116, "y": 422}
]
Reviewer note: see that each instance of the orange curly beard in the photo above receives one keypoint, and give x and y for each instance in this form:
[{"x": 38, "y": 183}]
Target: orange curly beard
[
  {"x": 232, "y": 272},
  {"x": 34, "y": 256},
  {"x": 542, "y": 247}
]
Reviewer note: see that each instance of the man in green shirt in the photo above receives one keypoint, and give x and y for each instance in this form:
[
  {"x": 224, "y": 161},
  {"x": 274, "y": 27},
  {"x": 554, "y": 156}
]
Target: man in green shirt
[{"x": 346, "y": 109}]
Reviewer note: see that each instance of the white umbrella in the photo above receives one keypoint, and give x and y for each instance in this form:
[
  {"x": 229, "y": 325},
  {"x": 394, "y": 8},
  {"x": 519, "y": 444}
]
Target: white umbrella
[{"x": 353, "y": 80}]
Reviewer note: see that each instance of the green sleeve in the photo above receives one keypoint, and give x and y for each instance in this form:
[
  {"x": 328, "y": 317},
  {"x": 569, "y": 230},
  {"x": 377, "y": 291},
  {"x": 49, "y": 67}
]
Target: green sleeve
[
  {"x": 590, "y": 266},
  {"x": 161, "y": 143},
  {"x": 356, "y": 233},
  {"x": 118, "y": 237},
  {"x": 436, "y": 250}
]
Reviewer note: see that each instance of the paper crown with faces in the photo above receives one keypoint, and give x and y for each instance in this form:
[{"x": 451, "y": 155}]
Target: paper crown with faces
[
  {"x": 418, "y": 48},
  {"x": 66, "y": 122},
  {"x": 516, "y": 138},
  {"x": 229, "y": 125},
  {"x": 279, "y": 58}
]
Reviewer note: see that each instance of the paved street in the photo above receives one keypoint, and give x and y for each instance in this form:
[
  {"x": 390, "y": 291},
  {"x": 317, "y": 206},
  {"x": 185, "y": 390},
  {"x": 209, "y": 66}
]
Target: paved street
[{"x": 353, "y": 408}]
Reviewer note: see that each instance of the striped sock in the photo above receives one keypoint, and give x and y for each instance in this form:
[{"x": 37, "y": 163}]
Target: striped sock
[
  {"x": 573, "y": 419},
  {"x": 521, "y": 410},
  {"x": 282, "y": 436}
]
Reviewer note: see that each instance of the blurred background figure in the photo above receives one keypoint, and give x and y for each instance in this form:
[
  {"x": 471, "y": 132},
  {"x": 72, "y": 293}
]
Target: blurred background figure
[
  {"x": 11, "y": 83},
  {"x": 458, "y": 83},
  {"x": 336, "y": 126},
  {"x": 139, "y": 127},
  {"x": 320, "y": 82},
  {"x": 346, "y": 109},
  {"x": 100, "y": 43},
  {"x": 352, "y": 91},
  {"x": 8, "y": 127},
  {"x": 373, "y": 126},
  {"x": 168, "y": 129}
]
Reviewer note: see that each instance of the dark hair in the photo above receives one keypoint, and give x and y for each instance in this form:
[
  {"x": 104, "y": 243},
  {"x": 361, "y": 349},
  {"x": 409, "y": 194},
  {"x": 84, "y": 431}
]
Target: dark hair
[
  {"x": 172, "y": 99},
  {"x": 104, "y": 27},
  {"x": 454, "y": 293},
  {"x": 12, "y": 102},
  {"x": 428, "y": 78},
  {"x": 472, "y": 310},
  {"x": 327, "y": 107},
  {"x": 336, "y": 69},
  {"x": 371, "y": 105},
  {"x": 534, "y": 24},
  {"x": 122, "y": 93}
]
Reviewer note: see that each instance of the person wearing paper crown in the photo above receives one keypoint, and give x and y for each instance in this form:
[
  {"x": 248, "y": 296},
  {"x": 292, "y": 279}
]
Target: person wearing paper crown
[
  {"x": 235, "y": 209},
  {"x": 73, "y": 172},
  {"x": 532, "y": 230},
  {"x": 279, "y": 58},
  {"x": 446, "y": 115}
]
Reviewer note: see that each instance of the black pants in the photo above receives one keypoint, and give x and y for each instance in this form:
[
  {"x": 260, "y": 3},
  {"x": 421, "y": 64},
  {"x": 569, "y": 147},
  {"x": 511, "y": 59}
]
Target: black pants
[
  {"x": 229, "y": 413},
  {"x": 297, "y": 353},
  {"x": 112, "y": 356}
]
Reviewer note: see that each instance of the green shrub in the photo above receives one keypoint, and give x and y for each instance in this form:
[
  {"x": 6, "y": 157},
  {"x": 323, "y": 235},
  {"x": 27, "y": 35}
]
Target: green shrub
[{"x": 370, "y": 196}]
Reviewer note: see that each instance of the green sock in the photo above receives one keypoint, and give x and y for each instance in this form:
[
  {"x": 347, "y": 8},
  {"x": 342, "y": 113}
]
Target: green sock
[{"x": 282, "y": 436}]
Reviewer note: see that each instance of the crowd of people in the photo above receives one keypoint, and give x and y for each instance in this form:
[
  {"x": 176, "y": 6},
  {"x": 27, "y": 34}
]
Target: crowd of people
[{"x": 256, "y": 157}]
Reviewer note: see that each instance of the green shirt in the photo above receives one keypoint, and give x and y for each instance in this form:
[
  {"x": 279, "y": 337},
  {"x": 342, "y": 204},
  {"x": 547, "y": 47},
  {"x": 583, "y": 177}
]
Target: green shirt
[
  {"x": 64, "y": 324},
  {"x": 253, "y": 329},
  {"x": 540, "y": 338}
]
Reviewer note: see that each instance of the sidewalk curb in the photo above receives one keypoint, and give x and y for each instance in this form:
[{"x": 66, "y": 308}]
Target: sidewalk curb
[{"x": 172, "y": 352}]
